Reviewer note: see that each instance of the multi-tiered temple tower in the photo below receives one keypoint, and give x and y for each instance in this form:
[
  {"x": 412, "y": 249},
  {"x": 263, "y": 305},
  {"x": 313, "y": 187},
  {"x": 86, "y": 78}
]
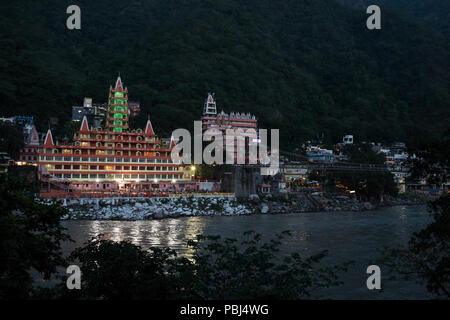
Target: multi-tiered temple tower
[
  {"x": 118, "y": 115},
  {"x": 110, "y": 160}
]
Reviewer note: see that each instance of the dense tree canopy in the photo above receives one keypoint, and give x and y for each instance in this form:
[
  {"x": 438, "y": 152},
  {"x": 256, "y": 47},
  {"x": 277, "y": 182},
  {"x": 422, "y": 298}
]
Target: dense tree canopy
[
  {"x": 30, "y": 238},
  {"x": 305, "y": 67},
  {"x": 11, "y": 139},
  {"x": 218, "y": 269}
]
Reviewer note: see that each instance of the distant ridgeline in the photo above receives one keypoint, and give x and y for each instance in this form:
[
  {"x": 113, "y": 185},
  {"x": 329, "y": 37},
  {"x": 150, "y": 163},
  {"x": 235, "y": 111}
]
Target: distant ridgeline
[{"x": 305, "y": 67}]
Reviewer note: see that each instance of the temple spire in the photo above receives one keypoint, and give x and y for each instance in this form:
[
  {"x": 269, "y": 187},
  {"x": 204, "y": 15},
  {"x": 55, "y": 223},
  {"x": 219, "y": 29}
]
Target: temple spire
[
  {"x": 84, "y": 126},
  {"x": 210, "y": 105},
  {"x": 48, "y": 142},
  {"x": 172, "y": 142},
  {"x": 118, "y": 112},
  {"x": 119, "y": 85},
  {"x": 149, "y": 129},
  {"x": 33, "y": 138}
]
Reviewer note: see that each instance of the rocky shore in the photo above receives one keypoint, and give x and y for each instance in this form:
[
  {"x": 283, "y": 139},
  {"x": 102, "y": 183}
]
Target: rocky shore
[
  {"x": 173, "y": 207},
  {"x": 151, "y": 208},
  {"x": 310, "y": 202}
]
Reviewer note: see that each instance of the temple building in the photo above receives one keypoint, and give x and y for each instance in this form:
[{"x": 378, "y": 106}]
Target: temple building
[
  {"x": 29, "y": 154},
  {"x": 112, "y": 159},
  {"x": 212, "y": 121}
]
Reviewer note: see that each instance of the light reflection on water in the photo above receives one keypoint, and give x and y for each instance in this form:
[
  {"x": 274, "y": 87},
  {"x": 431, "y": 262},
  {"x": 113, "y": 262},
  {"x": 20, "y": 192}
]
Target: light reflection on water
[
  {"x": 347, "y": 235},
  {"x": 173, "y": 233}
]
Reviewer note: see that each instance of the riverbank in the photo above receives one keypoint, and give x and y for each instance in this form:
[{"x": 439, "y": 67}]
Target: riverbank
[
  {"x": 174, "y": 207},
  {"x": 317, "y": 202},
  {"x": 152, "y": 208}
]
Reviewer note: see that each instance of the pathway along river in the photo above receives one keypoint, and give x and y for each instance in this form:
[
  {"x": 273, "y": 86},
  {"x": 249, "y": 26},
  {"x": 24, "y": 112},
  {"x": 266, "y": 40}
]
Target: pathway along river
[{"x": 347, "y": 235}]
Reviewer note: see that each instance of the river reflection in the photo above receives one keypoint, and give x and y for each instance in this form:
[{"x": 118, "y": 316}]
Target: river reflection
[
  {"x": 172, "y": 233},
  {"x": 347, "y": 235}
]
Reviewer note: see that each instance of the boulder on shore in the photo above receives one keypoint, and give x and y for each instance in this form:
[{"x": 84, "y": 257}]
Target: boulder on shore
[
  {"x": 254, "y": 198},
  {"x": 264, "y": 209}
]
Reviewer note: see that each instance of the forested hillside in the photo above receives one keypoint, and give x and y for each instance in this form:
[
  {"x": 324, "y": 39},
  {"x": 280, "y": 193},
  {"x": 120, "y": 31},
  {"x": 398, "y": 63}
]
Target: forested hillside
[
  {"x": 304, "y": 66},
  {"x": 434, "y": 13}
]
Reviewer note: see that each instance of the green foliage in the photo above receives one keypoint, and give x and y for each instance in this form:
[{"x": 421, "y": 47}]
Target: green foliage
[
  {"x": 66, "y": 129},
  {"x": 426, "y": 258},
  {"x": 30, "y": 238},
  {"x": 121, "y": 270},
  {"x": 368, "y": 185},
  {"x": 435, "y": 13},
  {"x": 302, "y": 66},
  {"x": 226, "y": 269},
  {"x": 11, "y": 139},
  {"x": 205, "y": 171},
  {"x": 363, "y": 153},
  {"x": 432, "y": 161},
  {"x": 218, "y": 269}
]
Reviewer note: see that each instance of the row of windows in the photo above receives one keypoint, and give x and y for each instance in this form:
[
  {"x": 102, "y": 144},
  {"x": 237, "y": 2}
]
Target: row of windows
[
  {"x": 153, "y": 152},
  {"x": 118, "y": 176},
  {"x": 112, "y": 137},
  {"x": 125, "y": 168},
  {"x": 95, "y": 159},
  {"x": 28, "y": 158},
  {"x": 114, "y": 144}
]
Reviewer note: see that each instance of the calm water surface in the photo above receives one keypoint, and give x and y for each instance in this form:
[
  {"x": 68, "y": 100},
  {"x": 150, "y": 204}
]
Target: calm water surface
[{"x": 347, "y": 235}]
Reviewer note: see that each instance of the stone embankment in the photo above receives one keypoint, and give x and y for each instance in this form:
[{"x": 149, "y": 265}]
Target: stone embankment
[
  {"x": 150, "y": 208},
  {"x": 173, "y": 207}
]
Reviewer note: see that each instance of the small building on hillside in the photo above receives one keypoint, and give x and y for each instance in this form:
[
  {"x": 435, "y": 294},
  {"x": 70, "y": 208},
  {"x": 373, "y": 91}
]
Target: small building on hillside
[
  {"x": 317, "y": 154},
  {"x": 29, "y": 154},
  {"x": 95, "y": 113}
]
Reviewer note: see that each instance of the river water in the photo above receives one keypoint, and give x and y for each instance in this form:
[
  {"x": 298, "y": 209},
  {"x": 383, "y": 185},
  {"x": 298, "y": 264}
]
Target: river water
[{"x": 347, "y": 235}]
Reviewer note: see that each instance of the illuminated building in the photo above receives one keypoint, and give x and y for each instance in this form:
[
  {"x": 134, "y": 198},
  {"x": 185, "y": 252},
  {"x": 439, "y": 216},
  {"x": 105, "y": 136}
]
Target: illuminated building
[
  {"x": 110, "y": 159},
  {"x": 214, "y": 122},
  {"x": 29, "y": 154}
]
